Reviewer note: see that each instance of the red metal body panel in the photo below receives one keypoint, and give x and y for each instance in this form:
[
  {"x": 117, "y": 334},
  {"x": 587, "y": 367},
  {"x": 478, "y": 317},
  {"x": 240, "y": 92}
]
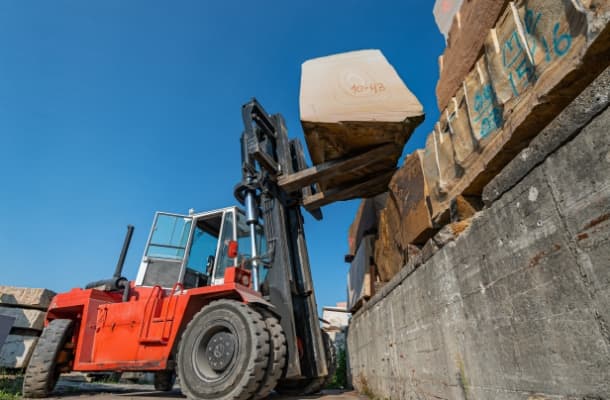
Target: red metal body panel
[{"x": 140, "y": 334}]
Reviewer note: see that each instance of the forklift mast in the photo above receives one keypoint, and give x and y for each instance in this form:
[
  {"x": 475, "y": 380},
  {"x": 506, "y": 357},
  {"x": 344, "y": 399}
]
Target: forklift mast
[{"x": 266, "y": 154}]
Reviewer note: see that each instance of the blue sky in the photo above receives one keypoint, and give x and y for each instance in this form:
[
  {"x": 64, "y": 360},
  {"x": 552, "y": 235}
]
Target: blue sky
[{"x": 112, "y": 110}]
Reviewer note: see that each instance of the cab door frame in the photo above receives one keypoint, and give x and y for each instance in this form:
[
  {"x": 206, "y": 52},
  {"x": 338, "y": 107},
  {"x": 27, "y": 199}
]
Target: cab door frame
[{"x": 145, "y": 261}]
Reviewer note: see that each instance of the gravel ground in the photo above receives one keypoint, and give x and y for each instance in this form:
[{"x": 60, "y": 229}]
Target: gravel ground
[{"x": 71, "y": 389}]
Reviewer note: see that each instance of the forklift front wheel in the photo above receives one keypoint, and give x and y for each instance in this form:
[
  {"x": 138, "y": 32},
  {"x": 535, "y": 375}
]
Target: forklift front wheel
[
  {"x": 45, "y": 365},
  {"x": 309, "y": 386},
  {"x": 277, "y": 355},
  {"x": 224, "y": 352}
]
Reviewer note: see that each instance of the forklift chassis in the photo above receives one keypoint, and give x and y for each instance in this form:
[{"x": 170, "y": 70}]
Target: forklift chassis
[{"x": 228, "y": 336}]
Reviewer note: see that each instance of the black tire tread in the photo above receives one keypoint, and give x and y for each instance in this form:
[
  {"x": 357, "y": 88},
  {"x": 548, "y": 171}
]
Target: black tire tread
[
  {"x": 256, "y": 370},
  {"x": 41, "y": 373},
  {"x": 277, "y": 356},
  {"x": 309, "y": 386}
]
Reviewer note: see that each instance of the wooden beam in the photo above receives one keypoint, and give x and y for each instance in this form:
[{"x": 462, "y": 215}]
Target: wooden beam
[
  {"x": 348, "y": 192},
  {"x": 331, "y": 169}
]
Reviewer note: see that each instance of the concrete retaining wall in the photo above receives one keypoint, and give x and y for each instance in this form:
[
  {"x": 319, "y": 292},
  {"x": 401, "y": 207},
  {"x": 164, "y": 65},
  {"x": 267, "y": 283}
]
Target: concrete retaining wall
[{"x": 518, "y": 307}]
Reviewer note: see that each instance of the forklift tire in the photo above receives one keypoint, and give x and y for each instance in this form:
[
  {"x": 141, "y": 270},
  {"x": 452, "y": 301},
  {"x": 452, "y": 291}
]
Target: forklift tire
[
  {"x": 309, "y": 386},
  {"x": 223, "y": 353},
  {"x": 164, "y": 380},
  {"x": 277, "y": 356},
  {"x": 43, "y": 370}
]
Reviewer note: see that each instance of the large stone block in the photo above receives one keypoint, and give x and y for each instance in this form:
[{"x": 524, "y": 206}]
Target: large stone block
[
  {"x": 361, "y": 275},
  {"x": 409, "y": 191},
  {"x": 466, "y": 38},
  {"x": 540, "y": 55},
  {"x": 366, "y": 220},
  {"x": 16, "y": 351},
  {"x": 25, "y": 318},
  {"x": 354, "y": 101},
  {"x": 590, "y": 103},
  {"x": 29, "y": 297}
]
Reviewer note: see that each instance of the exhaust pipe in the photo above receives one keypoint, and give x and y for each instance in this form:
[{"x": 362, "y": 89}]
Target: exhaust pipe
[
  {"x": 117, "y": 282},
  {"x": 119, "y": 266}
]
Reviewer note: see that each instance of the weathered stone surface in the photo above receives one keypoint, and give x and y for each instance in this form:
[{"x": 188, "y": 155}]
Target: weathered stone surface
[
  {"x": 539, "y": 57},
  {"x": 361, "y": 275},
  {"x": 410, "y": 193},
  {"x": 30, "y": 297},
  {"x": 582, "y": 198},
  {"x": 450, "y": 232},
  {"x": 429, "y": 249},
  {"x": 25, "y": 318},
  {"x": 390, "y": 256},
  {"x": 594, "y": 99},
  {"x": 16, "y": 351},
  {"x": 464, "y": 45},
  {"x": 366, "y": 220},
  {"x": 6, "y": 323},
  {"x": 517, "y": 307},
  {"x": 414, "y": 260}
]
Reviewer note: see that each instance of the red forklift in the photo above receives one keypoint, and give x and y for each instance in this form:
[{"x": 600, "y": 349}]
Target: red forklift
[{"x": 223, "y": 299}]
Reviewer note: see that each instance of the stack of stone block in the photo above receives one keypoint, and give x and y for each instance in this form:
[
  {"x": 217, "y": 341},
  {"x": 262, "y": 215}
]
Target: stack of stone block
[
  {"x": 509, "y": 69},
  {"x": 27, "y": 308}
]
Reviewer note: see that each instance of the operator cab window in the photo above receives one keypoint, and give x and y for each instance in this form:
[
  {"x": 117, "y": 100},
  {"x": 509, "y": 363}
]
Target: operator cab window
[
  {"x": 166, "y": 249},
  {"x": 202, "y": 254},
  {"x": 193, "y": 249}
]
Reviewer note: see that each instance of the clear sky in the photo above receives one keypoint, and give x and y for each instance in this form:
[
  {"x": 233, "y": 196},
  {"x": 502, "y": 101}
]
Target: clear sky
[{"x": 111, "y": 110}]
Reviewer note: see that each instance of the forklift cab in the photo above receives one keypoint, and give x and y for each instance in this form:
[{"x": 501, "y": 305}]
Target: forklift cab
[{"x": 194, "y": 249}]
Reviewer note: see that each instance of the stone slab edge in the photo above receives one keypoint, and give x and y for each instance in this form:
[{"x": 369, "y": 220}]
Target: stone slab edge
[{"x": 37, "y": 298}]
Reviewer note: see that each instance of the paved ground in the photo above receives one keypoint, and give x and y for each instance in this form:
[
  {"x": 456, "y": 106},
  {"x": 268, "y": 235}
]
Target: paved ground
[{"x": 71, "y": 390}]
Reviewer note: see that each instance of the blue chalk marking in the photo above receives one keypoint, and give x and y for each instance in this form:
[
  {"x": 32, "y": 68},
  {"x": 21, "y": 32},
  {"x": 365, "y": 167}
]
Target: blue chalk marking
[
  {"x": 508, "y": 45},
  {"x": 547, "y": 50},
  {"x": 486, "y": 111},
  {"x": 530, "y": 28},
  {"x": 525, "y": 74},
  {"x": 566, "y": 37},
  {"x": 491, "y": 123},
  {"x": 530, "y": 22},
  {"x": 525, "y": 70}
]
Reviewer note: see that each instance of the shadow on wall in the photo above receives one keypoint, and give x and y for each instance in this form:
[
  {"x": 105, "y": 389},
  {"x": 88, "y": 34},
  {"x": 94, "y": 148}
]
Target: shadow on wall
[{"x": 6, "y": 323}]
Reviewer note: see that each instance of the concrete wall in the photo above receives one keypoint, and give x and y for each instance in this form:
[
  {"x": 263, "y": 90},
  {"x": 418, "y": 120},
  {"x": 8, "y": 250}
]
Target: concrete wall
[{"x": 518, "y": 307}]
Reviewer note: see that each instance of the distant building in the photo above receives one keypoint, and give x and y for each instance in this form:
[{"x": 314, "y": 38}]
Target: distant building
[{"x": 335, "y": 321}]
